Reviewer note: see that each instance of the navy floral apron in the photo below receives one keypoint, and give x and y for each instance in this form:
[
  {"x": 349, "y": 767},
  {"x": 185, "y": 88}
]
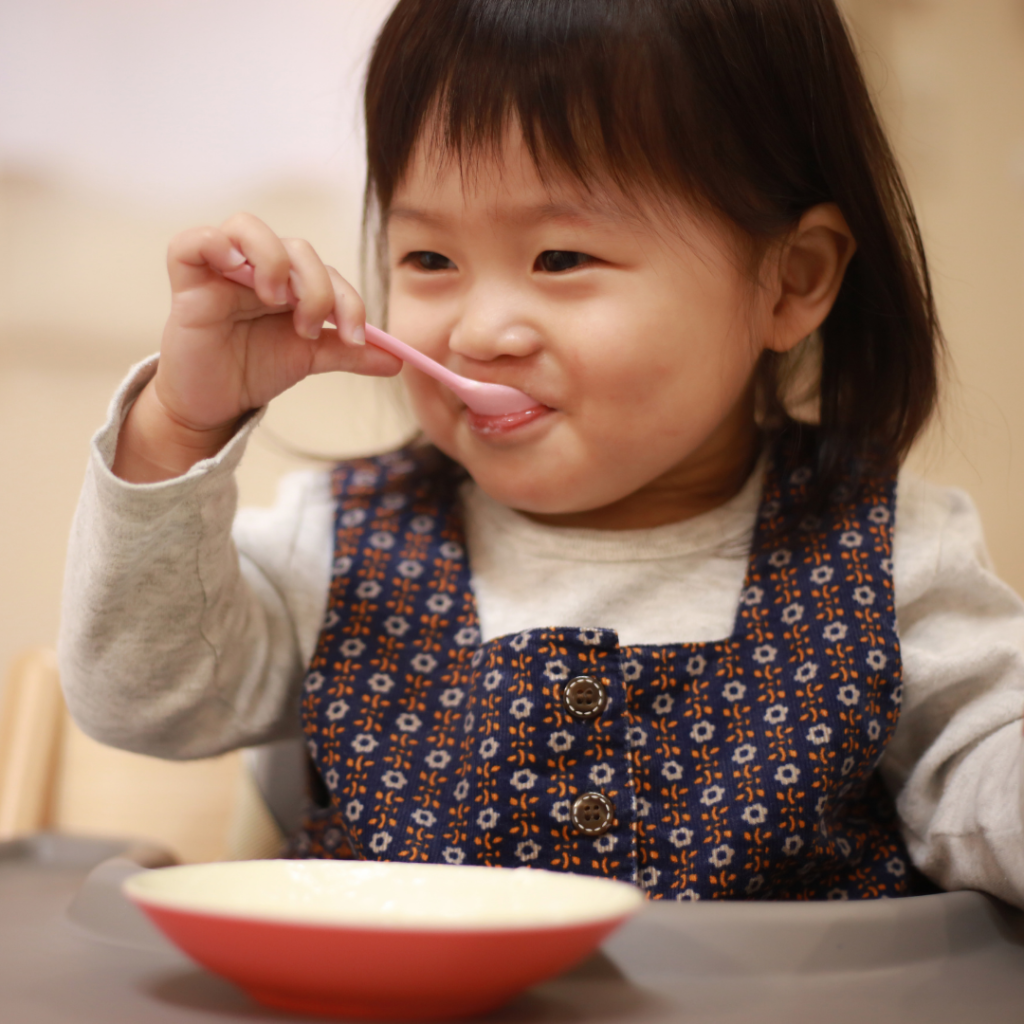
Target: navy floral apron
[{"x": 743, "y": 768}]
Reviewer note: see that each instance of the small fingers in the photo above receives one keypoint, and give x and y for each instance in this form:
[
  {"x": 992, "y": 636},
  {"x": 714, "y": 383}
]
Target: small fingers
[
  {"x": 192, "y": 253},
  {"x": 312, "y": 286},
  {"x": 349, "y": 311},
  {"x": 267, "y": 255}
]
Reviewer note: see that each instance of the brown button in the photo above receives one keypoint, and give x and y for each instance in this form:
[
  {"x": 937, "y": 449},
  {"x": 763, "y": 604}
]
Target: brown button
[
  {"x": 584, "y": 697},
  {"x": 593, "y": 814}
]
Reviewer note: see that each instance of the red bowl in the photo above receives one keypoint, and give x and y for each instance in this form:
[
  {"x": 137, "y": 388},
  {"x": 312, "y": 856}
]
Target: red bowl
[{"x": 384, "y": 941}]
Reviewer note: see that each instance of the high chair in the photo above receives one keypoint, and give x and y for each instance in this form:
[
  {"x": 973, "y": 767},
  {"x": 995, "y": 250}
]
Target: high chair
[{"x": 55, "y": 778}]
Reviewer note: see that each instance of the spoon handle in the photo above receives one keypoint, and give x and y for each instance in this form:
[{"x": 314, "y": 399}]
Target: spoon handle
[{"x": 375, "y": 336}]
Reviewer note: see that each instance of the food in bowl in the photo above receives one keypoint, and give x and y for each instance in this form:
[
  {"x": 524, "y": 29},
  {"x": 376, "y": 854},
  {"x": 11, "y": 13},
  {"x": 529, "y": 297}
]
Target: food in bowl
[{"x": 381, "y": 940}]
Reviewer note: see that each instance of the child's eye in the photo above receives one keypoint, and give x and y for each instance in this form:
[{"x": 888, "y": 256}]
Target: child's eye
[
  {"x": 554, "y": 261},
  {"x": 429, "y": 261}
]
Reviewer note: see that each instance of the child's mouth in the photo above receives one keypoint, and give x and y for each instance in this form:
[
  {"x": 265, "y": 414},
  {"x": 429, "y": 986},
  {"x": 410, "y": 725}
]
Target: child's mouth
[{"x": 495, "y": 425}]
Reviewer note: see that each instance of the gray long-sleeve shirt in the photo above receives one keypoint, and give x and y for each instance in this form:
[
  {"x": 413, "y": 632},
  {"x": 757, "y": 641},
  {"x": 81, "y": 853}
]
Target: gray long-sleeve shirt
[{"x": 187, "y": 628}]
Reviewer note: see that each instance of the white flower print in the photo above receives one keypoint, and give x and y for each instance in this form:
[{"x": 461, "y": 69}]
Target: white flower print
[
  {"x": 848, "y": 695},
  {"x": 452, "y": 697},
  {"x": 438, "y": 603},
  {"x": 851, "y": 539},
  {"x": 792, "y": 846},
  {"x": 822, "y": 575},
  {"x": 844, "y": 846},
  {"x": 353, "y": 809},
  {"x": 332, "y": 619},
  {"x": 864, "y": 596},
  {"x": 809, "y": 523},
  {"x": 468, "y": 722},
  {"x": 409, "y": 569},
  {"x": 368, "y": 590},
  {"x": 779, "y": 559},
  {"x": 897, "y": 694},
  {"x": 437, "y": 759},
  {"x": 819, "y": 807},
  {"x": 631, "y": 670},
  {"x": 643, "y": 807},
  {"x": 702, "y": 732},
  {"x": 467, "y": 636},
  {"x": 837, "y": 894},
  {"x": 801, "y": 476},
  {"x": 332, "y": 837},
  {"x": 478, "y": 658},
  {"x": 337, "y": 710},
  {"x": 776, "y": 714},
  {"x": 492, "y": 680},
  {"x": 393, "y": 780},
  {"x": 557, "y": 671},
  {"x": 364, "y": 743},
  {"x": 353, "y": 517},
  {"x": 754, "y": 884},
  {"x": 819, "y": 734},
  {"x": 314, "y": 681},
  {"x": 755, "y": 814},
  {"x": 462, "y": 790},
  {"x": 392, "y": 502},
  {"x": 488, "y": 747},
  {"x": 424, "y": 663},
  {"x": 662, "y": 704},
  {"x": 518, "y": 643},
  {"x": 332, "y": 778},
  {"x": 523, "y": 779},
  {"x": 764, "y": 654},
  {"x": 342, "y": 566},
  {"x": 421, "y": 524},
  {"x": 874, "y": 730},
  {"x": 835, "y": 631},
  {"x": 591, "y": 637},
  {"x": 521, "y": 707},
  {"x": 449, "y": 549},
  {"x": 770, "y": 509},
  {"x": 649, "y": 877},
  {"x": 680, "y": 837},
  {"x": 380, "y": 682},
  {"x": 792, "y": 613},
  {"x": 696, "y": 665},
  {"x": 787, "y": 774},
  {"x": 453, "y": 855},
  {"x": 721, "y": 856},
  {"x": 744, "y": 754},
  {"x": 847, "y": 766},
  {"x": 560, "y": 741},
  {"x": 601, "y": 774},
  {"x": 672, "y": 770},
  {"x": 364, "y": 478},
  {"x": 423, "y": 817},
  {"x": 561, "y": 811},
  {"x": 752, "y": 596},
  {"x": 380, "y": 841},
  {"x": 352, "y": 648},
  {"x": 527, "y": 850},
  {"x": 408, "y": 722},
  {"x": 688, "y": 896},
  {"x": 635, "y": 736},
  {"x": 886, "y": 566},
  {"x": 712, "y": 795},
  {"x": 382, "y": 541},
  {"x": 734, "y": 691},
  {"x": 312, "y": 748},
  {"x": 879, "y": 514},
  {"x": 896, "y": 867},
  {"x": 605, "y": 843},
  {"x": 877, "y": 660},
  {"x": 487, "y": 818},
  {"x": 806, "y": 672}
]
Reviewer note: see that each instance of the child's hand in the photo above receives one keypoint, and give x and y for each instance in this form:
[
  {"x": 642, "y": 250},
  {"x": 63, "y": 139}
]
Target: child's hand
[{"x": 231, "y": 347}]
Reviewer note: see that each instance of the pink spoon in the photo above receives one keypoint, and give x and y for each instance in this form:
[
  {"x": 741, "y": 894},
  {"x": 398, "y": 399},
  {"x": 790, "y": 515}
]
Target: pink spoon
[{"x": 481, "y": 398}]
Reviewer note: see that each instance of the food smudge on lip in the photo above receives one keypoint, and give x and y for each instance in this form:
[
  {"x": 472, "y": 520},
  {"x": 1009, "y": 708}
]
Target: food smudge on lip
[{"x": 503, "y": 424}]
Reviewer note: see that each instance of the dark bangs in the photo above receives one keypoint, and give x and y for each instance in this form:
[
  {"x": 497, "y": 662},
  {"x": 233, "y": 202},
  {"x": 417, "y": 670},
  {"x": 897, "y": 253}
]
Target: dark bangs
[{"x": 754, "y": 110}]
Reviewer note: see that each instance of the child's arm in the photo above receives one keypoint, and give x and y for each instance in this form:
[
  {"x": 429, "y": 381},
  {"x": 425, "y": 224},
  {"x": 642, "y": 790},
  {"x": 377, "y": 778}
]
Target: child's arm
[
  {"x": 173, "y": 642},
  {"x": 957, "y": 758}
]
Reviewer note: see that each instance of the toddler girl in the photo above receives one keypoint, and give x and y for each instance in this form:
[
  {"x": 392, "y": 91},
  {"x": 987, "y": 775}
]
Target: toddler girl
[{"x": 671, "y": 625}]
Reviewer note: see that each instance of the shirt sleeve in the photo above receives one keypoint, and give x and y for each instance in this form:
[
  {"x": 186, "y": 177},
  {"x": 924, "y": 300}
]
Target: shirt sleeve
[
  {"x": 956, "y": 760},
  {"x": 185, "y": 632}
]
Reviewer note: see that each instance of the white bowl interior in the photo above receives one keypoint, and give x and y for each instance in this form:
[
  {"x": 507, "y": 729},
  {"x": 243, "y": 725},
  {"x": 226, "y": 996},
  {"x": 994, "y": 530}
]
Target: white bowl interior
[{"x": 387, "y": 895}]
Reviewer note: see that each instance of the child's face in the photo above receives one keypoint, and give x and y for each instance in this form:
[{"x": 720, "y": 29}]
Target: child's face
[{"x": 638, "y": 333}]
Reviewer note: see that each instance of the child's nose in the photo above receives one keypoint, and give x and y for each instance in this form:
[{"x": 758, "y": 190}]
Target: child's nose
[{"x": 484, "y": 338}]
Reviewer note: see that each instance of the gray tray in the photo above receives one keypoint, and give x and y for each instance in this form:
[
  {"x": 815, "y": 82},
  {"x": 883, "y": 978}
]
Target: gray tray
[{"x": 73, "y": 950}]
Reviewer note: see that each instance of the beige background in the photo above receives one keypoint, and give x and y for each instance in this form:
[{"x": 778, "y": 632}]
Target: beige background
[{"x": 88, "y": 202}]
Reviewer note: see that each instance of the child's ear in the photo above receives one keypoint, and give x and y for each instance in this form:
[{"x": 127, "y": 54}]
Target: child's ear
[{"x": 808, "y": 274}]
